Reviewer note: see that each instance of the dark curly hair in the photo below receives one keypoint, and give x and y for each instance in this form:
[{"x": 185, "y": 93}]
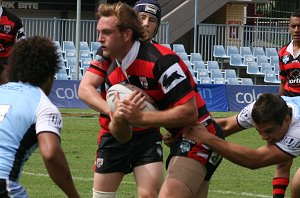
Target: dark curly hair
[{"x": 33, "y": 60}]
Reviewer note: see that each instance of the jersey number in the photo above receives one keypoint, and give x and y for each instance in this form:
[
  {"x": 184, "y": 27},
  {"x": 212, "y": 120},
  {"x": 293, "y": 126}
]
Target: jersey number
[{"x": 3, "y": 110}]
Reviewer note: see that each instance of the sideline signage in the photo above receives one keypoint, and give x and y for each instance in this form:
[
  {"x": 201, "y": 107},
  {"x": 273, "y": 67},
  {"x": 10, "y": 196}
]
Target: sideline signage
[{"x": 64, "y": 94}]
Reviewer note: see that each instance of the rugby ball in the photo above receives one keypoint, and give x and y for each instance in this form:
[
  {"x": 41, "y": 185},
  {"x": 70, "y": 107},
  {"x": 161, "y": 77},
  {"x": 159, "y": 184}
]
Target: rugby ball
[{"x": 124, "y": 92}]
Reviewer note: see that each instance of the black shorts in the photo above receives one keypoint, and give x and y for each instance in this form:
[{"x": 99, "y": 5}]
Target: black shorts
[{"x": 143, "y": 148}]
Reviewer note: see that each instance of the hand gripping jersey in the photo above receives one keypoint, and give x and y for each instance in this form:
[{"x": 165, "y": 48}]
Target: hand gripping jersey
[
  {"x": 25, "y": 111},
  {"x": 290, "y": 143},
  {"x": 11, "y": 29},
  {"x": 289, "y": 71}
]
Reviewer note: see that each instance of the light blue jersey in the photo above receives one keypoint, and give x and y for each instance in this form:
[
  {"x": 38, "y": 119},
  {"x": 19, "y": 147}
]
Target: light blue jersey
[
  {"x": 25, "y": 111},
  {"x": 290, "y": 143}
]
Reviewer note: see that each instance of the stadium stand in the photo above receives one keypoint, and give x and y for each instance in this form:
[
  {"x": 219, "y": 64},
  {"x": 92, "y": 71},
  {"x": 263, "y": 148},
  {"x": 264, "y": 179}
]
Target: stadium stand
[
  {"x": 70, "y": 53},
  {"x": 274, "y": 60},
  {"x": 246, "y": 81},
  {"x": 68, "y": 45},
  {"x": 231, "y": 49},
  {"x": 204, "y": 80},
  {"x": 261, "y": 59},
  {"x": 271, "y": 51},
  {"x": 95, "y": 46},
  {"x": 218, "y": 80},
  {"x": 198, "y": 65},
  {"x": 271, "y": 77},
  {"x": 212, "y": 65},
  {"x": 184, "y": 56},
  {"x": 253, "y": 70},
  {"x": 201, "y": 73},
  {"x": 245, "y": 51},
  {"x": 229, "y": 73},
  {"x": 195, "y": 57},
  {"x": 233, "y": 81},
  {"x": 264, "y": 67},
  {"x": 84, "y": 54},
  {"x": 216, "y": 73},
  {"x": 179, "y": 48},
  {"x": 219, "y": 52},
  {"x": 84, "y": 46},
  {"x": 258, "y": 51}
]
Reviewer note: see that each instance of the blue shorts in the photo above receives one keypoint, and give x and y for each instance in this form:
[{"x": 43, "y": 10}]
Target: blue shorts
[
  {"x": 12, "y": 189},
  {"x": 143, "y": 148}
]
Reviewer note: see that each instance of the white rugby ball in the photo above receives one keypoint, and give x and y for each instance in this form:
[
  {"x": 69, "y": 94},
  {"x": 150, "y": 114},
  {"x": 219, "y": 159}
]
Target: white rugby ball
[{"x": 124, "y": 92}]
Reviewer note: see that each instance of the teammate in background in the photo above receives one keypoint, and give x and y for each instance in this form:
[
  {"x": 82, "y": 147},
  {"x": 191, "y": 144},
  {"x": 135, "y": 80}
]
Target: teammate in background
[
  {"x": 11, "y": 30},
  {"x": 278, "y": 126},
  {"x": 289, "y": 67},
  {"x": 29, "y": 120},
  {"x": 163, "y": 75},
  {"x": 150, "y": 13}
]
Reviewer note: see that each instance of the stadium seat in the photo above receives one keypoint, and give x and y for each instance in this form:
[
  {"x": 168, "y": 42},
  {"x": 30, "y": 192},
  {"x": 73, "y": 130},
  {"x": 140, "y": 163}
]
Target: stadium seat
[
  {"x": 219, "y": 52},
  {"x": 271, "y": 77},
  {"x": 95, "y": 46},
  {"x": 247, "y": 59},
  {"x": 274, "y": 61},
  {"x": 167, "y": 45},
  {"x": 233, "y": 81},
  {"x": 202, "y": 73},
  {"x": 198, "y": 65},
  {"x": 84, "y": 46},
  {"x": 252, "y": 68},
  {"x": 70, "y": 53},
  {"x": 246, "y": 81},
  {"x": 271, "y": 51},
  {"x": 188, "y": 64},
  {"x": 264, "y": 67},
  {"x": 195, "y": 57},
  {"x": 216, "y": 73},
  {"x": 212, "y": 65},
  {"x": 68, "y": 45},
  {"x": 258, "y": 51},
  {"x": 61, "y": 76},
  {"x": 179, "y": 48},
  {"x": 245, "y": 51},
  {"x": 218, "y": 80},
  {"x": 57, "y": 46},
  {"x": 184, "y": 56},
  {"x": 261, "y": 59},
  {"x": 84, "y": 54},
  {"x": 85, "y": 62},
  {"x": 231, "y": 49},
  {"x": 71, "y": 62},
  {"x": 229, "y": 73},
  {"x": 236, "y": 61},
  {"x": 204, "y": 80}
]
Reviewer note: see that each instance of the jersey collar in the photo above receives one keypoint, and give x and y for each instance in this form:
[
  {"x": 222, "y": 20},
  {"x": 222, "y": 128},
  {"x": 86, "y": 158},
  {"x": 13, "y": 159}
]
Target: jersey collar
[
  {"x": 290, "y": 49},
  {"x": 130, "y": 57}
]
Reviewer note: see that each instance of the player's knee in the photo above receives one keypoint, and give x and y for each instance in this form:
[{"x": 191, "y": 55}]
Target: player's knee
[
  {"x": 143, "y": 193},
  {"x": 100, "y": 194}
]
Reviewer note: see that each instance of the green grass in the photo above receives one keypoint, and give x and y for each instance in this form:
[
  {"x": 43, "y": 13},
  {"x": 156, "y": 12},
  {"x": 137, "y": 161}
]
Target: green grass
[{"x": 79, "y": 142}]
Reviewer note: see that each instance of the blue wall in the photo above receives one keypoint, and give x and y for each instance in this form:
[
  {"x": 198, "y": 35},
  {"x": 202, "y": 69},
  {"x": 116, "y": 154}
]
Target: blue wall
[{"x": 64, "y": 94}]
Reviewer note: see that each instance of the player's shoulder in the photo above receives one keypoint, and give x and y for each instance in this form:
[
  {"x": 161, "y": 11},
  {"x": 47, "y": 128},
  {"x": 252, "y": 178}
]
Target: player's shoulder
[{"x": 10, "y": 15}]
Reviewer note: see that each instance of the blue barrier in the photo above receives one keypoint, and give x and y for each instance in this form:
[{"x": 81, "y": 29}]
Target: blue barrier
[{"x": 64, "y": 94}]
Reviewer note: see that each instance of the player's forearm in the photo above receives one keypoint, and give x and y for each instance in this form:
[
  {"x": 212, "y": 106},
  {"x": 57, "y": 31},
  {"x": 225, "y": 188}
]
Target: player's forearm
[
  {"x": 235, "y": 153},
  {"x": 59, "y": 172},
  {"x": 91, "y": 97},
  {"x": 120, "y": 130}
]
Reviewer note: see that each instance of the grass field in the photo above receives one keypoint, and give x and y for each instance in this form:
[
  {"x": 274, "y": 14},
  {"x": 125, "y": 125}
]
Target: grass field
[{"x": 79, "y": 143}]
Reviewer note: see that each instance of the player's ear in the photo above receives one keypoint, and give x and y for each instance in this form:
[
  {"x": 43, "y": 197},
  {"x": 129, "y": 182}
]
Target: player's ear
[{"x": 127, "y": 35}]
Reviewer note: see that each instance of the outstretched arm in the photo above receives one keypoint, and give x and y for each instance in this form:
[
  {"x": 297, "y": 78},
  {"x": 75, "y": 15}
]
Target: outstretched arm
[
  {"x": 56, "y": 162},
  {"x": 238, "y": 154},
  {"x": 229, "y": 125}
]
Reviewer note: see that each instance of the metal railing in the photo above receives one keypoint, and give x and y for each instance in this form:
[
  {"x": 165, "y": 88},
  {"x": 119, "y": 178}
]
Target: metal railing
[
  {"x": 65, "y": 29},
  {"x": 239, "y": 35}
]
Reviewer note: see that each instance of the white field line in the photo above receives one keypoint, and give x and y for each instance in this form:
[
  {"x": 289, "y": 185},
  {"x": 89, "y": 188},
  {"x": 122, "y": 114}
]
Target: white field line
[{"x": 244, "y": 194}]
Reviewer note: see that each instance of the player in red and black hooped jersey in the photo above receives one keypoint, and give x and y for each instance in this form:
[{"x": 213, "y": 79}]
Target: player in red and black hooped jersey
[
  {"x": 11, "y": 30},
  {"x": 164, "y": 76},
  {"x": 289, "y": 74}
]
